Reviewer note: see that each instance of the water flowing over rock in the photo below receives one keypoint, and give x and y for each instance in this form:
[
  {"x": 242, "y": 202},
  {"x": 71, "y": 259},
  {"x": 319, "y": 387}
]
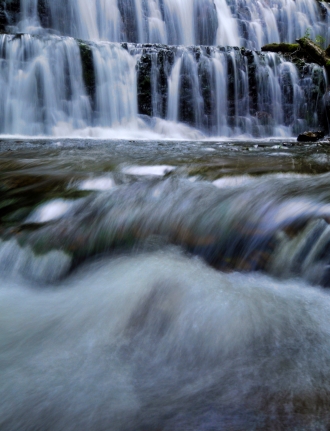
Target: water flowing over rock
[
  {"x": 184, "y": 22},
  {"x": 216, "y": 91},
  {"x": 156, "y": 274},
  {"x": 246, "y": 225},
  {"x": 162, "y": 66}
]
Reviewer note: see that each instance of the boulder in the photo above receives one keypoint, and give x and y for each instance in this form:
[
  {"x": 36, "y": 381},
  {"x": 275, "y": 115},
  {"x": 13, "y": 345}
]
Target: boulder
[
  {"x": 310, "y": 136},
  {"x": 314, "y": 52}
]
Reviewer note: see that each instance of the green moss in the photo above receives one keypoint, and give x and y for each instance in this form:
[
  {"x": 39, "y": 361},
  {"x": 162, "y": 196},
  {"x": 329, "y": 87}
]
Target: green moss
[
  {"x": 281, "y": 47},
  {"x": 303, "y": 41}
]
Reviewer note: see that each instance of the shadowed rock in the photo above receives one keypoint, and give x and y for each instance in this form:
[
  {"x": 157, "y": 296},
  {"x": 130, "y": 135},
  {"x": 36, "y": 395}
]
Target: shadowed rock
[{"x": 310, "y": 136}]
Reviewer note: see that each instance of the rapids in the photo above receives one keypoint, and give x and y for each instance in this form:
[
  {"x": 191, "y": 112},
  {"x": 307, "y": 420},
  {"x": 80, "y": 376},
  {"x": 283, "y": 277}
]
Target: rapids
[
  {"x": 164, "y": 285},
  {"x": 162, "y": 342}
]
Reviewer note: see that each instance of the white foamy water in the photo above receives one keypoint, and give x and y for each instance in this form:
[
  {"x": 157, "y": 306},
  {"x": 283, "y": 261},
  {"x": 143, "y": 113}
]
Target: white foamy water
[
  {"x": 246, "y": 180},
  {"x": 225, "y": 182},
  {"x": 158, "y": 171},
  {"x": 158, "y": 129},
  {"x": 136, "y": 343},
  {"x": 52, "y": 210},
  {"x": 101, "y": 183}
]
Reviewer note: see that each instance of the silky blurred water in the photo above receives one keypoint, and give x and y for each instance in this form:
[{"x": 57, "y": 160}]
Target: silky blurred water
[
  {"x": 164, "y": 285},
  {"x": 160, "y": 341}
]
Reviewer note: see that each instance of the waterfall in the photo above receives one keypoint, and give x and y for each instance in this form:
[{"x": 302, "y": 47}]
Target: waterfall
[
  {"x": 41, "y": 85},
  {"x": 115, "y": 86},
  {"x": 44, "y": 90},
  {"x": 146, "y": 63},
  {"x": 178, "y": 22},
  {"x": 162, "y": 256}
]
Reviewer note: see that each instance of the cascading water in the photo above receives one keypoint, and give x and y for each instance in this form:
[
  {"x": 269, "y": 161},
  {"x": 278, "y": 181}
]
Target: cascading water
[
  {"x": 115, "y": 82},
  {"x": 41, "y": 85},
  {"x": 152, "y": 284},
  {"x": 214, "y": 91},
  {"x": 228, "y": 92},
  {"x": 183, "y": 22},
  {"x": 111, "y": 315}
]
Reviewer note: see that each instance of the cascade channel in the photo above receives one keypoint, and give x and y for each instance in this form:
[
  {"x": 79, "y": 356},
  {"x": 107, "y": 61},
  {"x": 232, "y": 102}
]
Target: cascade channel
[{"x": 164, "y": 237}]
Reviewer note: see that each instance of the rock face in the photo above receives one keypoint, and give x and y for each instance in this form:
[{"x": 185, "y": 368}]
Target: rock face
[
  {"x": 86, "y": 54},
  {"x": 303, "y": 54},
  {"x": 231, "y": 82},
  {"x": 315, "y": 53},
  {"x": 217, "y": 90},
  {"x": 153, "y": 70},
  {"x": 9, "y": 13},
  {"x": 305, "y": 49},
  {"x": 310, "y": 136},
  {"x": 220, "y": 91}
]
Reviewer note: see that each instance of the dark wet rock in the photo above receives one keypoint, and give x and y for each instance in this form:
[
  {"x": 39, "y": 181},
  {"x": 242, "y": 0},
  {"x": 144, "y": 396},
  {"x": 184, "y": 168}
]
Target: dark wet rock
[
  {"x": 43, "y": 13},
  {"x": 153, "y": 70},
  {"x": 326, "y": 99},
  {"x": 300, "y": 53},
  {"x": 21, "y": 193},
  {"x": 310, "y": 136},
  {"x": 197, "y": 98},
  {"x": 144, "y": 85},
  {"x": 3, "y": 19},
  {"x": 187, "y": 111},
  {"x": 323, "y": 8},
  {"x": 9, "y": 12},
  {"x": 315, "y": 53},
  {"x": 87, "y": 63}
]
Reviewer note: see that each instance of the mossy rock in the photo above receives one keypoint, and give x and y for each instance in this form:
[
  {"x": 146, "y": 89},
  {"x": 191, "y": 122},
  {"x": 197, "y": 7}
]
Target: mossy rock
[
  {"x": 327, "y": 51},
  {"x": 281, "y": 47},
  {"x": 311, "y": 136}
]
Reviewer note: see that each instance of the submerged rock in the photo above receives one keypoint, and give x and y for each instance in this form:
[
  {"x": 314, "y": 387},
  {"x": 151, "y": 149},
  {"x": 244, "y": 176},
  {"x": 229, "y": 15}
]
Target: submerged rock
[{"x": 310, "y": 136}]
